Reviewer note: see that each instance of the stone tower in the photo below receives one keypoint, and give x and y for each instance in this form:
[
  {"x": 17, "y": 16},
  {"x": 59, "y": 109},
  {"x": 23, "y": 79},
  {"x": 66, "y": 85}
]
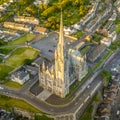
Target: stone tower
[
  {"x": 69, "y": 66},
  {"x": 61, "y": 64}
]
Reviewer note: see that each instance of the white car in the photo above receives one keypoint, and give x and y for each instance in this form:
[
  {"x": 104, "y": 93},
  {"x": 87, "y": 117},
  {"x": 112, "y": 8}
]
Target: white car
[
  {"x": 1, "y": 88},
  {"x": 88, "y": 86}
]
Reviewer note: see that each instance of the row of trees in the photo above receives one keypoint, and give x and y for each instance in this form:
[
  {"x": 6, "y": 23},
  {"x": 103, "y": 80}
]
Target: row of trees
[
  {"x": 49, "y": 15},
  {"x": 3, "y": 1}
]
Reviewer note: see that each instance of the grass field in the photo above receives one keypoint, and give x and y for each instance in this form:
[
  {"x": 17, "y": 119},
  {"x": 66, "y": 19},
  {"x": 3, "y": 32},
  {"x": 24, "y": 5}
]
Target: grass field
[
  {"x": 6, "y": 50},
  {"x": 0, "y": 60},
  {"x": 85, "y": 49},
  {"x": 12, "y": 84},
  {"x": 22, "y": 39},
  {"x": 8, "y": 103},
  {"x": 4, "y": 71},
  {"x": 87, "y": 115},
  {"x": 102, "y": 60},
  {"x": 20, "y": 55},
  {"x": 17, "y": 59}
]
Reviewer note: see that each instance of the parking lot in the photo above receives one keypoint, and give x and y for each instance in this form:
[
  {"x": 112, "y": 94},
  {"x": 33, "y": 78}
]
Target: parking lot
[{"x": 48, "y": 45}]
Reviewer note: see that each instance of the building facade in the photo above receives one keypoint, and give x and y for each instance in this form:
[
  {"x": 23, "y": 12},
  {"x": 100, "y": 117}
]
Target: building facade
[
  {"x": 69, "y": 66},
  {"x": 20, "y": 76}
]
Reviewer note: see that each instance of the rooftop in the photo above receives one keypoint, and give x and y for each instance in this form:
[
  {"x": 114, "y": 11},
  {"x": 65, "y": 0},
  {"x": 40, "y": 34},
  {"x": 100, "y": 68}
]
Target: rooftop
[{"x": 20, "y": 73}]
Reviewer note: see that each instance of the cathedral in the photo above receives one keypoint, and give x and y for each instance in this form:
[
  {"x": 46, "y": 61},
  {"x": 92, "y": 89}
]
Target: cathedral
[{"x": 69, "y": 66}]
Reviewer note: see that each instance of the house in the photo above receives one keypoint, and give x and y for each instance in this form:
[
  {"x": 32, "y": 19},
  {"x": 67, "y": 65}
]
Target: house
[
  {"x": 105, "y": 117},
  {"x": 118, "y": 8},
  {"x": 40, "y": 30},
  {"x": 113, "y": 17},
  {"x": 104, "y": 108},
  {"x": 104, "y": 32},
  {"x": 106, "y": 41},
  {"x": 69, "y": 30},
  {"x": 17, "y": 26},
  {"x": 2, "y": 8},
  {"x": 30, "y": 20},
  {"x": 6, "y": 4},
  {"x": 117, "y": 5},
  {"x": 77, "y": 26},
  {"x": 11, "y": 1},
  {"x": 112, "y": 35},
  {"x": 38, "y": 2},
  {"x": 20, "y": 76}
]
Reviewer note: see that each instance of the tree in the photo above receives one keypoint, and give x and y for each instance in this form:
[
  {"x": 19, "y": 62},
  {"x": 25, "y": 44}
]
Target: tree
[{"x": 53, "y": 23}]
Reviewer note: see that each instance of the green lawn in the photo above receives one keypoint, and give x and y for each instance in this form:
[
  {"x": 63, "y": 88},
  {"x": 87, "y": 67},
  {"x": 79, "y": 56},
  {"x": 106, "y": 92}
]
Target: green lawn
[
  {"x": 4, "y": 71},
  {"x": 8, "y": 103},
  {"x": 102, "y": 60},
  {"x": 43, "y": 117},
  {"x": 5, "y": 50},
  {"x": 18, "y": 58},
  {"x": 12, "y": 84},
  {"x": 87, "y": 115},
  {"x": 85, "y": 49},
  {"x": 22, "y": 39},
  {"x": 20, "y": 55},
  {"x": 1, "y": 60},
  {"x": 79, "y": 34}
]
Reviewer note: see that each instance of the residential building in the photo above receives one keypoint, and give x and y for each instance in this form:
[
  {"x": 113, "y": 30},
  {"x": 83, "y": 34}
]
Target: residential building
[
  {"x": 112, "y": 35},
  {"x": 106, "y": 41},
  {"x": 69, "y": 30},
  {"x": 17, "y": 26},
  {"x": 38, "y": 2},
  {"x": 20, "y": 76},
  {"x": 40, "y": 30},
  {"x": 30, "y": 20},
  {"x": 113, "y": 17}
]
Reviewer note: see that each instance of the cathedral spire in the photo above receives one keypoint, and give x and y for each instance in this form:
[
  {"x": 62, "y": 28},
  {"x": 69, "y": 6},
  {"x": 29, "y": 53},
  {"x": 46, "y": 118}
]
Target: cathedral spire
[
  {"x": 60, "y": 48},
  {"x": 60, "y": 54},
  {"x": 61, "y": 37}
]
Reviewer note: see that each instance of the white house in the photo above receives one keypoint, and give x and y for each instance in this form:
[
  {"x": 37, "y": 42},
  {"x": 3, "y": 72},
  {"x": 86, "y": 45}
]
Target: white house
[
  {"x": 2, "y": 8},
  {"x": 106, "y": 41},
  {"x": 37, "y": 2},
  {"x": 113, "y": 17},
  {"x": 12, "y": 1},
  {"x": 20, "y": 76},
  {"x": 69, "y": 30},
  {"x": 118, "y": 8},
  {"x": 77, "y": 26},
  {"x": 113, "y": 36}
]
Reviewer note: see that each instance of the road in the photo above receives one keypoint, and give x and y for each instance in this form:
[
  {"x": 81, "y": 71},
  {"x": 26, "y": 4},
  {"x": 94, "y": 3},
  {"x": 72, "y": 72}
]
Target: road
[
  {"x": 82, "y": 92},
  {"x": 56, "y": 110}
]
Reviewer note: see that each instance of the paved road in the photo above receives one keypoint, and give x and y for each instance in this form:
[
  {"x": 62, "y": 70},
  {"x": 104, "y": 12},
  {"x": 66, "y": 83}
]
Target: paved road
[
  {"x": 56, "y": 110},
  {"x": 81, "y": 94},
  {"x": 48, "y": 108}
]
